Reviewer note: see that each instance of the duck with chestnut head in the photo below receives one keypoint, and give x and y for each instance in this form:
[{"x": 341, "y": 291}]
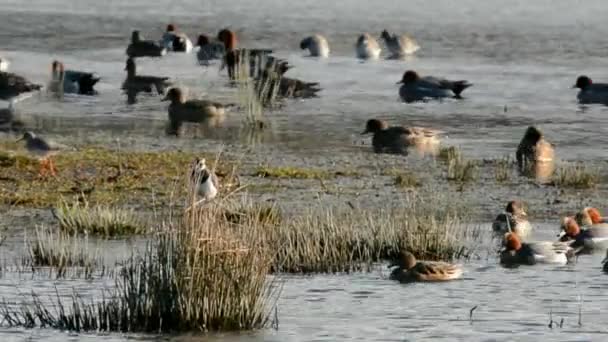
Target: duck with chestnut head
[
  {"x": 237, "y": 57},
  {"x": 408, "y": 269},
  {"x": 397, "y": 139},
  {"x": 516, "y": 252},
  {"x": 535, "y": 154},
  {"x": 587, "y": 239},
  {"x": 591, "y": 216},
  {"x": 416, "y": 88},
  {"x": 514, "y": 219},
  {"x": 590, "y": 92},
  {"x": 399, "y": 45}
]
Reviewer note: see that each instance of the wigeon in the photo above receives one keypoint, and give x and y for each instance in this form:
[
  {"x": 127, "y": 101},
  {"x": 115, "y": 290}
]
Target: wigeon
[
  {"x": 590, "y": 92},
  {"x": 72, "y": 81},
  {"x": 534, "y": 149},
  {"x": 530, "y": 253},
  {"x": 399, "y": 46},
  {"x": 367, "y": 47},
  {"x": 397, "y": 139},
  {"x": 175, "y": 41},
  {"x": 208, "y": 50},
  {"x": 236, "y": 57},
  {"x": 515, "y": 219},
  {"x": 410, "y": 270},
  {"x": 181, "y": 110},
  {"x": 4, "y": 64},
  {"x": 590, "y": 216},
  {"x": 316, "y": 44},
  {"x": 144, "y": 48},
  {"x": 584, "y": 240},
  {"x": 415, "y": 88},
  {"x": 137, "y": 83},
  {"x": 204, "y": 181}
]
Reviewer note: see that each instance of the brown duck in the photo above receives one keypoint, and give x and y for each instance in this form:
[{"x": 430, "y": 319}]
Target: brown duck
[
  {"x": 397, "y": 139},
  {"x": 410, "y": 270}
]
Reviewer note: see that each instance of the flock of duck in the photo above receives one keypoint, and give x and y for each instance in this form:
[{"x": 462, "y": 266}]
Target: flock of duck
[{"x": 583, "y": 233}]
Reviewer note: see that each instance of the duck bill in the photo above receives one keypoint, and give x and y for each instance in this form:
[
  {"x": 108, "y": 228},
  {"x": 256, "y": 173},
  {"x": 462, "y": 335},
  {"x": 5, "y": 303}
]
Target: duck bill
[{"x": 399, "y": 82}]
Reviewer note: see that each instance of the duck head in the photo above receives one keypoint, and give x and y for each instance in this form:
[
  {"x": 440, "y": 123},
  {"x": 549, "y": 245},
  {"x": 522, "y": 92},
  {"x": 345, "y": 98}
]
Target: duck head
[
  {"x": 27, "y": 136},
  {"x": 135, "y": 36},
  {"x": 305, "y": 43},
  {"x": 516, "y": 208},
  {"x": 404, "y": 260},
  {"x": 570, "y": 229},
  {"x": 175, "y": 95},
  {"x": 582, "y": 82},
  {"x": 588, "y": 217},
  {"x": 374, "y": 126},
  {"x": 227, "y": 37},
  {"x": 57, "y": 70},
  {"x": 202, "y": 40},
  {"x": 512, "y": 242},
  {"x": 385, "y": 35},
  {"x": 170, "y": 28},
  {"x": 409, "y": 76},
  {"x": 532, "y": 136}
]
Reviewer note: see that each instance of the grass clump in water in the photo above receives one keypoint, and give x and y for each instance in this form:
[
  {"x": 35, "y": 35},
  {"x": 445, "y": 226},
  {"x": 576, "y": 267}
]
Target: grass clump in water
[
  {"x": 459, "y": 169},
  {"x": 502, "y": 169},
  {"x": 291, "y": 172},
  {"x": 578, "y": 176},
  {"x": 407, "y": 180},
  {"x": 105, "y": 221}
]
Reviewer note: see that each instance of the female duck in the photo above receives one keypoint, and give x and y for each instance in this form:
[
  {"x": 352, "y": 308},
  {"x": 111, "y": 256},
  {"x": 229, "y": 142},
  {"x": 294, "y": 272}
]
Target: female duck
[
  {"x": 399, "y": 46},
  {"x": 367, "y": 47},
  {"x": 515, "y": 219},
  {"x": 316, "y": 44},
  {"x": 182, "y": 110},
  {"x": 397, "y": 139},
  {"x": 543, "y": 252},
  {"x": 410, "y": 270},
  {"x": 585, "y": 240},
  {"x": 144, "y": 48},
  {"x": 415, "y": 88}
]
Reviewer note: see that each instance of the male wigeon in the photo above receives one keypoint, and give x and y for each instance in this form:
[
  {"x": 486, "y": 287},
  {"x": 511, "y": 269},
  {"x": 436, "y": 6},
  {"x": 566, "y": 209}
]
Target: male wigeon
[
  {"x": 515, "y": 219},
  {"x": 399, "y": 46},
  {"x": 584, "y": 240},
  {"x": 410, "y": 270},
  {"x": 534, "y": 149},
  {"x": 208, "y": 50},
  {"x": 591, "y": 92},
  {"x": 415, "y": 88},
  {"x": 590, "y": 216},
  {"x": 4, "y": 64},
  {"x": 530, "y": 253},
  {"x": 181, "y": 110},
  {"x": 316, "y": 44},
  {"x": 236, "y": 57},
  {"x": 72, "y": 81},
  {"x": 137, "y": 83},
  {"x": 175, "y": 41},
  {"x": 144, "y": 48},
  {"x": 204, "y": 181},
  {"x": 397, "y": 139},
  {"x": 367, "y": 47}
]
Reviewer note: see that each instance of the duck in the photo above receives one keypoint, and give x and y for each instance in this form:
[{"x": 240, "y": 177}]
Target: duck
[
  {"x": 204, "y": 181},
  {"x": 136, "y": 83},
  {"x": 367, "y": 47},
  {"x": 590, "y": 216},
  {"x": 72, "y": 81},
  {"x": 605, "y": 263},
  {"x": 175, "y": 41},
  {"x": 181, "y": 110},
  {"x": 591, "y": 93},
  {"x": 531, "y": 253},
  {"x": 515, "y": 219},
  {"x": 4, "y": 64},
  {"x": 144, "y": 48},
  {"x": 415, "y": 88},
  {"x": 232, "y": 59},
  {"x": 316, "y": 44},
  {"x": 13, "y": 85},
  {"x": 587, "y": 240},
  {"x": 410, "y": 270},
  {"x": 533, "y": 149},
  {"x": 399, "y": 46},
  {"x": 208, "y": 50},
  {"x": 397, "y": 139}
]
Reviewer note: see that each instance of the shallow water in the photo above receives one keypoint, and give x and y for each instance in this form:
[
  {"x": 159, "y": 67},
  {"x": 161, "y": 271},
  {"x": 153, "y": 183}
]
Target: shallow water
[{"x": 522, "y": 57}]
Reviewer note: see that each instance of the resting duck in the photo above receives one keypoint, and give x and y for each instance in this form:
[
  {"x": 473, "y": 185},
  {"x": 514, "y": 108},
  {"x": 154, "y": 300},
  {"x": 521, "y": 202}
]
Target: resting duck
[
  {"x": 397, "y": 139},
  {"x": 590, "y": 216},
  {"x": 533, "y": 149},
  {"x": 514, "y": 220},
  {"x": 144, "y": 48},
  {"x": 72, "y": 81},
  {"x": 208, "y": 50},
  {"x": 367, "y": 47},
  {"x": 415, "y": 88},
  {"x": 543, "y": 252},
  {"x": 399, "y": 46},
  {"x": 234, "y": 56},
  {"x": 137, "y": 83},
  {"x": 316, "y": 44},
  {"x": 587, "y": 240},
  {"x": 590, "y": 92},
  {"x": 181, "y": 110},
  {"x": 205, "y": 181},
  {"x": 410, "y": 270}
]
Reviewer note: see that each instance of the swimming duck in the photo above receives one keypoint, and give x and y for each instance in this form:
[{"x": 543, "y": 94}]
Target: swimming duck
[
  {"x": 316, "y": 44},
  {"x": 72, "y": 81},
  {"x": 144, "y": 48},
  {"x": 205, "y": 181},
  {"x": 590, "y": 216},
  {"x": 397, "y": 139},
  {"x": 208, "y": 50},
  {"x": 399, "y": 46},
  {"x": 13, "y": 85},
  {"x": 136, "y": 83},
  {"x": 514, "y": 220},
  {"x": 542, "y": 252},
  {"x": 416, "y": 88},
  {"x": 587, "y": 240},
  {"x": 591, "y": 92},
  {"x": 236, "y": 57},
  {"x": 175, "y": 41},
  {"x": 4, "y": 64},
  {"x": 534, "y": 149},
  {"x": 410, "y": 270},
  {"x": 367, "y": 47},
  {"x": 182, "y": 110}
]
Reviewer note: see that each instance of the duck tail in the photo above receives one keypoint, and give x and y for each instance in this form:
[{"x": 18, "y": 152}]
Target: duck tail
[{"x": 460, "y": 86}]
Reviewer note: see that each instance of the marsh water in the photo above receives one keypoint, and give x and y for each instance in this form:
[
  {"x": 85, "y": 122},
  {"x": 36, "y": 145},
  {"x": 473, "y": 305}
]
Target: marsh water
[{"x": 522, "y": 56}]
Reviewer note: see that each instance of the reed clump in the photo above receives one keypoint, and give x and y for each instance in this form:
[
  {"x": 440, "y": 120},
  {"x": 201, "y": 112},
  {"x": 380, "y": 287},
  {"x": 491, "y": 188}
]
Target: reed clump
[
  {"x": 578, "y": 176},
  {"x": 291, "y": 172},
  {"x": 502, "y": 169},
  {"x": 100, "y": 220},
  {"x": 407, "y": 180},
  {"x": 459, "y": 169}
]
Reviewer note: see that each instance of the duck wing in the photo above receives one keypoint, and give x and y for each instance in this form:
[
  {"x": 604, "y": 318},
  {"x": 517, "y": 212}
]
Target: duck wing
[
  {"x": 434, "y": 82},
  {"x": 436, "y": 271}
]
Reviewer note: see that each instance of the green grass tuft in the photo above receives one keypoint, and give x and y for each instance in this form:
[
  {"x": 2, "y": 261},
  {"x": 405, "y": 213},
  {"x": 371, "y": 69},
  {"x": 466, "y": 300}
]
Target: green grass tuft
[{"x": 78, "y": 218}]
